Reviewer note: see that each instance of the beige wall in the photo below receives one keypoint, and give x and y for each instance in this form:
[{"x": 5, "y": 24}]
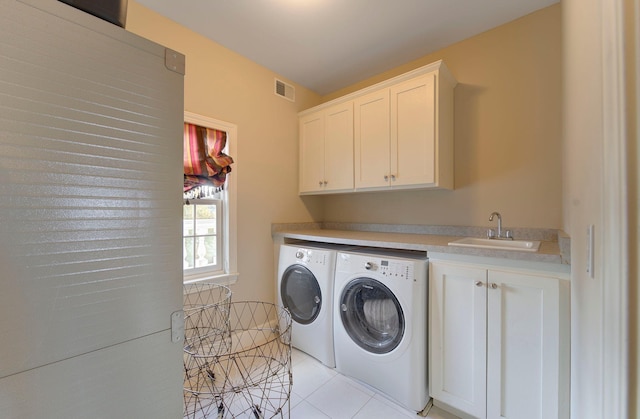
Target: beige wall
[
  {"x": 223, "y": 85},
  {"x": 508, "y": 129},
  {"x": 507, "y": 134},
  {"x": 509, "y": 143}
]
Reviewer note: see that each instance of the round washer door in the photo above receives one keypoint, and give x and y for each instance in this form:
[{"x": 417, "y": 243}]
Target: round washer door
[
  {"x": 371, "y": 315},
  {"x": 300, "y": 293}
]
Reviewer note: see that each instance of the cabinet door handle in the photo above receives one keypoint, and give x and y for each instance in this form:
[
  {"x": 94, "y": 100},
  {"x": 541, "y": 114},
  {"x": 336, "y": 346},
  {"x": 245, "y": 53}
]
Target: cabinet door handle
[
  {"x": 386, "y": 178},
  {"x": 320, "y": 183},
  {"x": 478, "y": 283},
  {"x": 494, "y": 285},
  {"x": 325, "y": 183},
  {"x": 393, "y": 178}
]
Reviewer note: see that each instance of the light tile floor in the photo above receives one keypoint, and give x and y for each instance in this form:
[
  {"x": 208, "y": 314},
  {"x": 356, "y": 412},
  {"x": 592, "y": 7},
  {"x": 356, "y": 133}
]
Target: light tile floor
[{"x": 320, "y": 392}]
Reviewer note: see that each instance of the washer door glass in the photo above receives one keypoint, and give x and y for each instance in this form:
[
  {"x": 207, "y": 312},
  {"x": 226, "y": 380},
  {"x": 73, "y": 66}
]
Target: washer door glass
[
  {"x": 300, "y": 293},
  {"x": 371, "y": 315}
]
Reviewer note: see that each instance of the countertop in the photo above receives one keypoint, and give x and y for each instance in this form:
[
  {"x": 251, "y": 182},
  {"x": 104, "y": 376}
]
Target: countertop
[{"x": 549, "y": 251}]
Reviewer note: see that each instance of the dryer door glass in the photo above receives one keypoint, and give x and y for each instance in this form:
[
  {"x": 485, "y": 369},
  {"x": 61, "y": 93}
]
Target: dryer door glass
[
  {"x": 300, "y": 293},
  {"x": 371, "y": 315}
]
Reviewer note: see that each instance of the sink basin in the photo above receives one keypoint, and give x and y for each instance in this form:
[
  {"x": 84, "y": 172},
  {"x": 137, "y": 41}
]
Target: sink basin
[{"x": 520, "y": 245}]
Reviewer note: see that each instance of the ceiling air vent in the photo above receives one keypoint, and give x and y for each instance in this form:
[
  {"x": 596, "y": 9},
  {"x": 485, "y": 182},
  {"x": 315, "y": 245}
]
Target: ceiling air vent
[{"x": 285, "y": 90}]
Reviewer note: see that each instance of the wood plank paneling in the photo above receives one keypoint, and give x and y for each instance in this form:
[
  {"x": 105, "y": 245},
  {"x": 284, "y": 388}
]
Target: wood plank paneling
[{"x": 90, "y": 186}]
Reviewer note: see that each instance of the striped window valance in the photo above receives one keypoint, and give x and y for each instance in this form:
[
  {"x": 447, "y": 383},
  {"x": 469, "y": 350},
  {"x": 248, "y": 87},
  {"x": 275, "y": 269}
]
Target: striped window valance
[{"x": 205, "y": 165}]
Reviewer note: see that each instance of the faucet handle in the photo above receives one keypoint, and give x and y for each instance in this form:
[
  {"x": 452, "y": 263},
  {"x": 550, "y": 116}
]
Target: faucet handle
[
  {"x": 491, "y": 233},
  {"x": 508, "y": 234}
]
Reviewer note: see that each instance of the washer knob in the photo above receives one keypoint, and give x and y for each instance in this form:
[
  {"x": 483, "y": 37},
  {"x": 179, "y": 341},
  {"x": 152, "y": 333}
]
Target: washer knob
[
  {"x": 299, "y": 254},
  {"x": 370, "y": 266}
]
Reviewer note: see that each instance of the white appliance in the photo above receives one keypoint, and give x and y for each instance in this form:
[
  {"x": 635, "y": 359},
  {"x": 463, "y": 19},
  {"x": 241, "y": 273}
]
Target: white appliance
[
  {"x": 380, "y": 322},
  {"x": 305, "y": 288}
]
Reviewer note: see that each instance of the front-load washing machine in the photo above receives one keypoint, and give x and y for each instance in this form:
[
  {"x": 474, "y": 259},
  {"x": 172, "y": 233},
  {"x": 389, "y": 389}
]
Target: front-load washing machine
[
  {"x": 305, "y": 288},
  {"x": 380, "y": 322}
]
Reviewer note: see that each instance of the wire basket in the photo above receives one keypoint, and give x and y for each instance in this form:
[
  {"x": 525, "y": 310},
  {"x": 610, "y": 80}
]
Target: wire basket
[
  {"x": 244, "y": 371},
  {"x": 203, "y": 294},
  {"x": 206, "y": 317}
]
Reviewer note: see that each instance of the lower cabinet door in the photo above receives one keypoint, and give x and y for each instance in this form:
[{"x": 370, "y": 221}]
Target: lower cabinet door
[
  {"x": 457, "y": 347},
  {"x": 522, "y": 346}
]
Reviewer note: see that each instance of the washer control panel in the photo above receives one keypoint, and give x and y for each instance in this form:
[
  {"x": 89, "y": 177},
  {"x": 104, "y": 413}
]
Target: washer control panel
[{"x": 309, "y": 256}]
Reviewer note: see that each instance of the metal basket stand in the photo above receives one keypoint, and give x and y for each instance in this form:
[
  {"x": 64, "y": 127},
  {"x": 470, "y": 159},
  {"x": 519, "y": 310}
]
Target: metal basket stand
[
  {"x": 245, "y": 372},
  {"x": 207, "y": 330}
]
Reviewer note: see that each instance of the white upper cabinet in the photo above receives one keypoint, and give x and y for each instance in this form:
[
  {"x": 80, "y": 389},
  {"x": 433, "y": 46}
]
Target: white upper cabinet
[
  {"x": 372, "y": 127},
  {"x": 413, "y": 133},
  {"x": 402, "y": 136},
  {"x": 326, "y": 150},
  {"x": 397, "y": 143}
]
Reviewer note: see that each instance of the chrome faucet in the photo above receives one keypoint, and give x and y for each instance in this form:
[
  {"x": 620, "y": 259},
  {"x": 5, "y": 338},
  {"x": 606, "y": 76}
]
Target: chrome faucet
[{"x": 492, "y": 234}]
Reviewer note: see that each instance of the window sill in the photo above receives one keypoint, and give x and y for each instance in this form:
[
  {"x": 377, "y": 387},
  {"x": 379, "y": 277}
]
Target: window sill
[{"x": 220, "y": 279}]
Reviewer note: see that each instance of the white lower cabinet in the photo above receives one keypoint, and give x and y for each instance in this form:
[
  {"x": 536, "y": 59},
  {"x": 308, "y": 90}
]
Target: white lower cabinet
[{"x": 498, "y": 344}]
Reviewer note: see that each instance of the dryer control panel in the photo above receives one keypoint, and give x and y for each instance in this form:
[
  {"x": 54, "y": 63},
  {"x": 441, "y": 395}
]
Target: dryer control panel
[
  {"x": 390, "y": 268},
  {"x": 397, "y": 269},
  {"x": 380, "y": 265}
]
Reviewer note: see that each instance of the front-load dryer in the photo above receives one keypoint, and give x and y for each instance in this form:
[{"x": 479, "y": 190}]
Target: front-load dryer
[
  {"x": 305, "y": 288},
  {"x": 380, "y": 322}
]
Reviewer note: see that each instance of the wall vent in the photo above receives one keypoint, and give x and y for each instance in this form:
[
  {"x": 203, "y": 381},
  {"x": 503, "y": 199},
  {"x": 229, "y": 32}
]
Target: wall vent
[{"x": 285, "y": 90}]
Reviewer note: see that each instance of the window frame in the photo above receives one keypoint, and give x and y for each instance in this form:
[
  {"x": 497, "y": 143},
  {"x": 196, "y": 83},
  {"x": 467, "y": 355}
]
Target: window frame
[{"x": 229, "y": 273}]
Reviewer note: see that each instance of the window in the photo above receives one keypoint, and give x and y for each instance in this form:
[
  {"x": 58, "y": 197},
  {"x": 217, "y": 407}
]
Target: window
[
  {"x": 209, "y": 224},
  {"x": 201, "y": 235}
]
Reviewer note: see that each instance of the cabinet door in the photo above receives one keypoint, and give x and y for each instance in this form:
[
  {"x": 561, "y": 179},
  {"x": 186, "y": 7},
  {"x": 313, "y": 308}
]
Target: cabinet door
[
  {"x": 371, "y": 116},
  {"x": 413, "y": 132},
  {"x": 338, "y": 147},
  {"x": 457, "y": 337},
  {"x": 522, "y": 346},
  {"x": 311, "y": 152}
]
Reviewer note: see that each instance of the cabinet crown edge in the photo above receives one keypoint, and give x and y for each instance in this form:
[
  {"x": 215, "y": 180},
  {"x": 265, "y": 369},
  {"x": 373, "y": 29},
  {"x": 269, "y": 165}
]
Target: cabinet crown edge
[{"x": 437, "y": 66}]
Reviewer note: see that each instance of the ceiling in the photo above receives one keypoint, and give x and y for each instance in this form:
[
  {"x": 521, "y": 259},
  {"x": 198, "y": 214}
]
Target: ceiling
[{"x": 325, "y": 45}]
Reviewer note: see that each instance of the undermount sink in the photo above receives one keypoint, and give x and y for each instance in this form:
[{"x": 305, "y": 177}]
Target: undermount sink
[{"x": 520, "y": 245}]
